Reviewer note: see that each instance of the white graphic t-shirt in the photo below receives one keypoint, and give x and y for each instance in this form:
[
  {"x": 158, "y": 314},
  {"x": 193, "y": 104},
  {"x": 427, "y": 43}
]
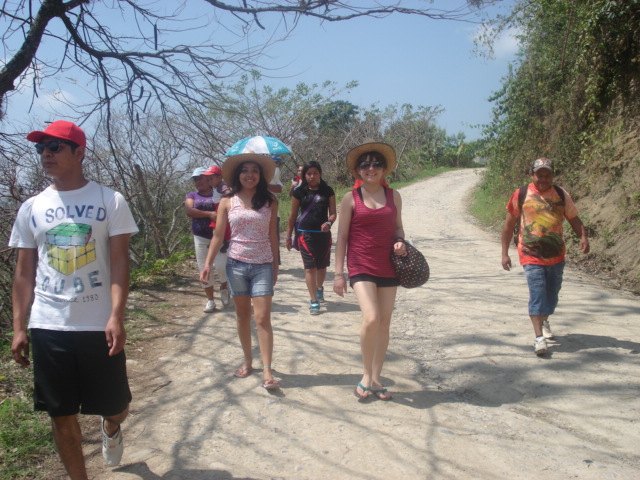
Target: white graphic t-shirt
[{"x": 71, "y": 231}]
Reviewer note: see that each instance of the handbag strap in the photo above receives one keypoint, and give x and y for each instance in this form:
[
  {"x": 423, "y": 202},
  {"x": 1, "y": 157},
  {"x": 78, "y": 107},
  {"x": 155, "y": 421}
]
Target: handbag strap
[{"x": 308, "y": 209}]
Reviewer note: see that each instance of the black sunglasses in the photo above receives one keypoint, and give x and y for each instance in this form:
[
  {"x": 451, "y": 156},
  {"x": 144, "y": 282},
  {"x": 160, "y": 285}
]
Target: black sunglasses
[
  {"x": 53, "y": 146},
  {"x": 367, "y": 165}
]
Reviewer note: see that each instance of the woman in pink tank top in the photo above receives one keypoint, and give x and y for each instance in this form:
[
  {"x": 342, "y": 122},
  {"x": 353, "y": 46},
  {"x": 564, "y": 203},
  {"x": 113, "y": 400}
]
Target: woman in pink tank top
[
  {"x": 252, "y": 258},
  {"x": 369, "y": 226}
]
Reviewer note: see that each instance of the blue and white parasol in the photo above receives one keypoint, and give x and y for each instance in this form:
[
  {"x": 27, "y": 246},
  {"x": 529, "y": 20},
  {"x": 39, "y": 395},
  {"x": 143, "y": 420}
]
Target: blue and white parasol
[{"x": 259, "y": 144}]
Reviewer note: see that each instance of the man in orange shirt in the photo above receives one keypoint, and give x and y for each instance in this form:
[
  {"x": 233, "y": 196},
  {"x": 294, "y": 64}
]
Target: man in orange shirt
[{"x": 541, "y": 247}]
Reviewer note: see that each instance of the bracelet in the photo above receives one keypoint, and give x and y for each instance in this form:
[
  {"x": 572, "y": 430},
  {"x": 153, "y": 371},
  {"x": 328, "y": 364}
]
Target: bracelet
[
  {"x": 329, "y": 222},
  {"x": 399, "y": 239}
]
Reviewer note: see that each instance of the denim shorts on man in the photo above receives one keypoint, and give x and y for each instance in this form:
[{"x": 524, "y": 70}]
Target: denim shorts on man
[
  {"x": 73, "y": 373},
  {"x": 544, "y": 283},
  {"x": 254, "y": 279}
]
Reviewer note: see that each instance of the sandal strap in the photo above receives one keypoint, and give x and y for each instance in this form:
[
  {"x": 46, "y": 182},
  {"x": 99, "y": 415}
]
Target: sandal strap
[{"x": 366, "y": 389}]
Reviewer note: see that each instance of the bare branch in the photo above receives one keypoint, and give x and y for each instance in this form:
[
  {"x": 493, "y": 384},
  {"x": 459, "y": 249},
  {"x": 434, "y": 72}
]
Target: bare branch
[{"x": 135, "y": 67}]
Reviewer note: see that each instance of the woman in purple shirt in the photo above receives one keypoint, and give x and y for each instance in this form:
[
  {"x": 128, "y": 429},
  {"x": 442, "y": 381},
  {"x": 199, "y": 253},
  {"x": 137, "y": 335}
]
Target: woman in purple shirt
[{"x": 200, "y": 206}]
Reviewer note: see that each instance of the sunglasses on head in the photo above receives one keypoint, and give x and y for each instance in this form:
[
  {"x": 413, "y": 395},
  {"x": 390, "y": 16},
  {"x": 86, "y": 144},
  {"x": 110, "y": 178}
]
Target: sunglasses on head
[
  {"x": 53, "y": 146},
  {"x": 367, "y": 165}
]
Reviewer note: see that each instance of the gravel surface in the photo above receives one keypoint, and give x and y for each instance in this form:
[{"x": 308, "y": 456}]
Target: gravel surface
[{"x": 471, "y": 400}]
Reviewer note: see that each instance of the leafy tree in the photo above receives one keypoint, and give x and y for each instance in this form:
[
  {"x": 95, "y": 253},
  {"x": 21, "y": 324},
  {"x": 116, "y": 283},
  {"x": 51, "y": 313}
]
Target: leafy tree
[
  {"x": 250, "y": 107},
  {"x": 578, "y": 62},
  {"x": 413, "y": 133},
  {"x": 336, "y": 116}
]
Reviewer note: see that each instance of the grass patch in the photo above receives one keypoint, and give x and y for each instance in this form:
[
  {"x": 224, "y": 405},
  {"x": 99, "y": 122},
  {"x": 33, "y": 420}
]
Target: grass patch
[
  {"x": 426, "y": 173},
  {"x": 487, "y": 207},
  {"x": 25, "y": 438},
  {"x": 157, "y": 272}
]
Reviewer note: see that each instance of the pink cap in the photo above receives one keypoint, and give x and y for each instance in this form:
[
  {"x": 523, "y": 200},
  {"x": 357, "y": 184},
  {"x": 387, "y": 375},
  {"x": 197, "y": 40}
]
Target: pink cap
[{"x": 214, "y": 170}]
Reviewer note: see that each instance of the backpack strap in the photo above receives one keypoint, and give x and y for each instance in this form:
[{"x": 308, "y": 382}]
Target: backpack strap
[{"x": 522, "y": 194}]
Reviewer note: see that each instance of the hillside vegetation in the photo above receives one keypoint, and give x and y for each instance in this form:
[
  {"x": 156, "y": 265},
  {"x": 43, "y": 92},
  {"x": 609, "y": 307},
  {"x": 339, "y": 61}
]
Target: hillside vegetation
[{"x": 574, "y": 96}]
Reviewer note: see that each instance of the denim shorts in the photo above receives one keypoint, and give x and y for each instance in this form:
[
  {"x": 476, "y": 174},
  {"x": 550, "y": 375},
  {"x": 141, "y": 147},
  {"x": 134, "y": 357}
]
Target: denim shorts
[
  {"x": 544, "y": 283},
  {"x": 254, "y": 279}
]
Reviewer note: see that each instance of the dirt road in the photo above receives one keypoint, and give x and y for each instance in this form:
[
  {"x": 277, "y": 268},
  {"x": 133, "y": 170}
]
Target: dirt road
[{"x": 471, "y": 400}]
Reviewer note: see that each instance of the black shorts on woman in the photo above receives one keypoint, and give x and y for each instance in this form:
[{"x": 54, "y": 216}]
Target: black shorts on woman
[
  {"x": 314, "y": 244},
  {"x": 315, "y": 249}
]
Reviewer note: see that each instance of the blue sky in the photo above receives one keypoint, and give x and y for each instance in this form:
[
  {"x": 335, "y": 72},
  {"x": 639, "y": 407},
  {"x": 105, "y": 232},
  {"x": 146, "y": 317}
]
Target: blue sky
[
  {"x": 402, "y": 59},
  {"x": 397, "y": 59}
]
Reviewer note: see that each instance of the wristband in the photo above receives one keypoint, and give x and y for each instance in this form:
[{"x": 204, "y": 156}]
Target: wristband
[
  {"x": 329, "y": 222},
  {"x": 399, "y": 239}
]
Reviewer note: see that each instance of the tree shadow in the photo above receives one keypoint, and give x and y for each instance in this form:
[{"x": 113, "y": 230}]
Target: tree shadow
[
  {"x": 142, "y": 470},
  {"x": 576, "y": 342}
]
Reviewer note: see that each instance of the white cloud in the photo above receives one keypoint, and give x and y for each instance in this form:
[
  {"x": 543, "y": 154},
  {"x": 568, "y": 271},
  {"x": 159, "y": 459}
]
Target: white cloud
[
  {"x": 507, "y": 44},
  {"x": 500, "y": 46}
]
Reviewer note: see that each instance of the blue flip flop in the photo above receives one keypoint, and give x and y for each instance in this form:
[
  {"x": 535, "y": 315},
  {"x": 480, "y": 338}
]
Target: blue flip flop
[
  {"x": 366, "y": 389},
  {"x": 382, "y": 394}
]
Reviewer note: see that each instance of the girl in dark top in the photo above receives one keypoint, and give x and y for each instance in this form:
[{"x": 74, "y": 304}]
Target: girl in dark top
[
  {"x": 318, "y": 200},
  {"x": 370, "y": 226}
]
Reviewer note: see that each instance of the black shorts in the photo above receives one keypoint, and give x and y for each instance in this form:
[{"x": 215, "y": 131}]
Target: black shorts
[
  {"x": 315, "y": 249},
  {"x": 73, "y": 373},
  {"x": 379, "y": 281}
]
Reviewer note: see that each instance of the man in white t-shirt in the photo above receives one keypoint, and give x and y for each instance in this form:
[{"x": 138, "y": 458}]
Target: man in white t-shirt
[{"x": 73, "y": 272}]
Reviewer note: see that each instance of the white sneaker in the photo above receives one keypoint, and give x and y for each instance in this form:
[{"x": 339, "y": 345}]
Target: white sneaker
[
  {"x": 112, "y": 447},
  {"x": 540, "y": 346},
  {"x": 546, "y": 330},
  {"x": 210, "y": 306},
  {"x": 224, "y": 297}
]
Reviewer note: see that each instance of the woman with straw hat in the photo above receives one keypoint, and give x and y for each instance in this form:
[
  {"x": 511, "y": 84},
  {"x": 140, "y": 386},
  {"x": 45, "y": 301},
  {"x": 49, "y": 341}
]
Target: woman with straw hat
[
  {"x": 252, "y": 257},
  {"x": 369, "y": 227}
]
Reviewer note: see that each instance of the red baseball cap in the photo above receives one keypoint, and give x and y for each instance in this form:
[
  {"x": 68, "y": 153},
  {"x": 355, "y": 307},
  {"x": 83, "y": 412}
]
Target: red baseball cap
[
  {"x": 214, "y": 170},
  {"x": 60, "y": 129}
]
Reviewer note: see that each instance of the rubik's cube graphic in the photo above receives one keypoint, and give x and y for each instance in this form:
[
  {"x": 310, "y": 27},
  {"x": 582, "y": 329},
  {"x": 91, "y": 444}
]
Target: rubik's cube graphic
[{"x": 70, "y": 247}]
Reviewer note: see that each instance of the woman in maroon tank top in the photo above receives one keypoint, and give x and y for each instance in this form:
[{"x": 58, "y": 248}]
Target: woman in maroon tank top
[{"x": 369, "y": 226}]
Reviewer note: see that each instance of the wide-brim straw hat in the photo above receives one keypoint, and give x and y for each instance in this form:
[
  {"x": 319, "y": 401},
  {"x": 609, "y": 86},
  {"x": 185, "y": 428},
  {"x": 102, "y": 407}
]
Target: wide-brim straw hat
[
  {"x": 371, "y": 145},
  {"x": 231, "y": 163}
]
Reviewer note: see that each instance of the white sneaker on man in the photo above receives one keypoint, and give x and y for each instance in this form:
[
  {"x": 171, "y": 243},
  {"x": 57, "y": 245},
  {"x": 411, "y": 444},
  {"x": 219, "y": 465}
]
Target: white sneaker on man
[
  {"x": 112, "y": 447},
  {"x": 540, "y": 346},
  {"x": 546, "y": 330},
  {"x": 224, "y": 297},
  {"x": 210, "y": 306}
]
